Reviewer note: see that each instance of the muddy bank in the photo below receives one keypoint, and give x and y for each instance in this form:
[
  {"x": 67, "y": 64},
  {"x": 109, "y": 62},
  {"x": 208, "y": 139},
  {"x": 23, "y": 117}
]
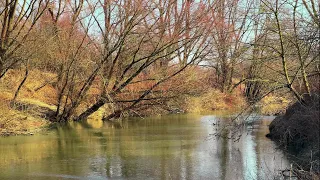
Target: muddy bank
[{"x": 298, "y": 132}]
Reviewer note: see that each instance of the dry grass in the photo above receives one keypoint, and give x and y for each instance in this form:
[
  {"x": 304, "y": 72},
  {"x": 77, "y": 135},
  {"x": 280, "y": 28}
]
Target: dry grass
[
  {"x": 14, "y": 122},
  {"x": 28, "y": 117},
  {"x": 214, "y": 100},
  {"x": 193, "y": 91},
  {"x": 190, "y": 91},
  {"x": 274, "y": 105},
  {"x": 36, "y": 79}
]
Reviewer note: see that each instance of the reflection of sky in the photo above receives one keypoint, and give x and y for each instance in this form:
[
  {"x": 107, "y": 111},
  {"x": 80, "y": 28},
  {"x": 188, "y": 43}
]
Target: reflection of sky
[
  {"x": 253, "y": 157},
  {"x": 171, "y": 148},
  {"x": 249, "y": 158}
]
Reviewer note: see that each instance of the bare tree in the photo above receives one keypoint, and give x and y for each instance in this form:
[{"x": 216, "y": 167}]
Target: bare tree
[
  {"x": 17, "y": 20},
  {"x": 229, "y": 34},
  {"x": 283, "y": 55},
  {"x": 152, "y": 46}
]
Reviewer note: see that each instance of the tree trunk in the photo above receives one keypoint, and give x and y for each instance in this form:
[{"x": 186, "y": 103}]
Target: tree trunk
[
  {"x": 115, "y": 114},
  {"x": 91, "y": 110},
  {"x": 20, "y": 85}
]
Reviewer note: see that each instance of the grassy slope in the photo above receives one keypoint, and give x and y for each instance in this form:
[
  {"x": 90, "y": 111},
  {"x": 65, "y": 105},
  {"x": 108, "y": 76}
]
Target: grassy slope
[
  {"x": 27, "y": 117},
  {"x": 33, "y": 102}
]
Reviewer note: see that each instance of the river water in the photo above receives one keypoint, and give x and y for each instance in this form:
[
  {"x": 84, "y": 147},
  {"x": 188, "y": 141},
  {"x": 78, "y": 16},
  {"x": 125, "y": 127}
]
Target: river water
[{"x": 168, "y": 147}]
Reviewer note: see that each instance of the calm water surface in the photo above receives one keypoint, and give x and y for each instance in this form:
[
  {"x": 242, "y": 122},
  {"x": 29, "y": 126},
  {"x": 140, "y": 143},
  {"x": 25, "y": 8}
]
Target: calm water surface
[{"x": 170, "y": 147}]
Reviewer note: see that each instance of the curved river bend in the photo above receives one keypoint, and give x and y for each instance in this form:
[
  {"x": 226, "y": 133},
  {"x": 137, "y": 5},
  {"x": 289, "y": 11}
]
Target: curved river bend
[{"x": 168, "y": 147}]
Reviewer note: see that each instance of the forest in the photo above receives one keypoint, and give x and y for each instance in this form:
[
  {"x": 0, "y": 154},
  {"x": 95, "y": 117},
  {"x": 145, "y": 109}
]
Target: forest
[
  {"x": 80, "y": 57},
  {"x": 65, "y": 60}
]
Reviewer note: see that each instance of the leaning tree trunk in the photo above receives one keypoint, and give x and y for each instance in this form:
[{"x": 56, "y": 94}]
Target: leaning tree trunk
[{"x": 20, "y": 85}]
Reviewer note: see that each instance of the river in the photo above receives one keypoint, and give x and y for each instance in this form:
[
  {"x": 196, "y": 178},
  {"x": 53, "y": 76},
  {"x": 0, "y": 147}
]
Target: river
[{"x": 167, "y": 147}]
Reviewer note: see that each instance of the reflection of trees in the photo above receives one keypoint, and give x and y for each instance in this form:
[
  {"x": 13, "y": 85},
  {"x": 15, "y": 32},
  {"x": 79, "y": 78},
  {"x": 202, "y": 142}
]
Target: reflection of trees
[
  {"x": 24, "y": 149},
  {"x": 270, "y": 159},
  {"x": 229, "y": 155},
  {"x": 44, "y": 154},
  {"x": 168, "y": 148},
  {"x": 224, "y": 154},
  {"x": 253, "y": 157}
]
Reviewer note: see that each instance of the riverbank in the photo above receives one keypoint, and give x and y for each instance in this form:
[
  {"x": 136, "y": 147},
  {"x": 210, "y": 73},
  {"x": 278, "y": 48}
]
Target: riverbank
[
  {"x": 15, "y": 122},
  {"x": 298, "y": 132},
  {"x": 30, "y": 116},
  {"x": 30, "y": 112},
  {"x": 36, "y": 102}
]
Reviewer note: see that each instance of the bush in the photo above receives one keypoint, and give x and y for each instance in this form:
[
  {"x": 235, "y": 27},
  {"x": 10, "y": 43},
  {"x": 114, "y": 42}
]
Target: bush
[{"x": 298, "y": 130}]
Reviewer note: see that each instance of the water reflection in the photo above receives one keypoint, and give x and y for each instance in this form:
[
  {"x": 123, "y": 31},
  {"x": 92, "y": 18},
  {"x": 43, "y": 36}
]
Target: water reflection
[{"x": 171, "y": 147}]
